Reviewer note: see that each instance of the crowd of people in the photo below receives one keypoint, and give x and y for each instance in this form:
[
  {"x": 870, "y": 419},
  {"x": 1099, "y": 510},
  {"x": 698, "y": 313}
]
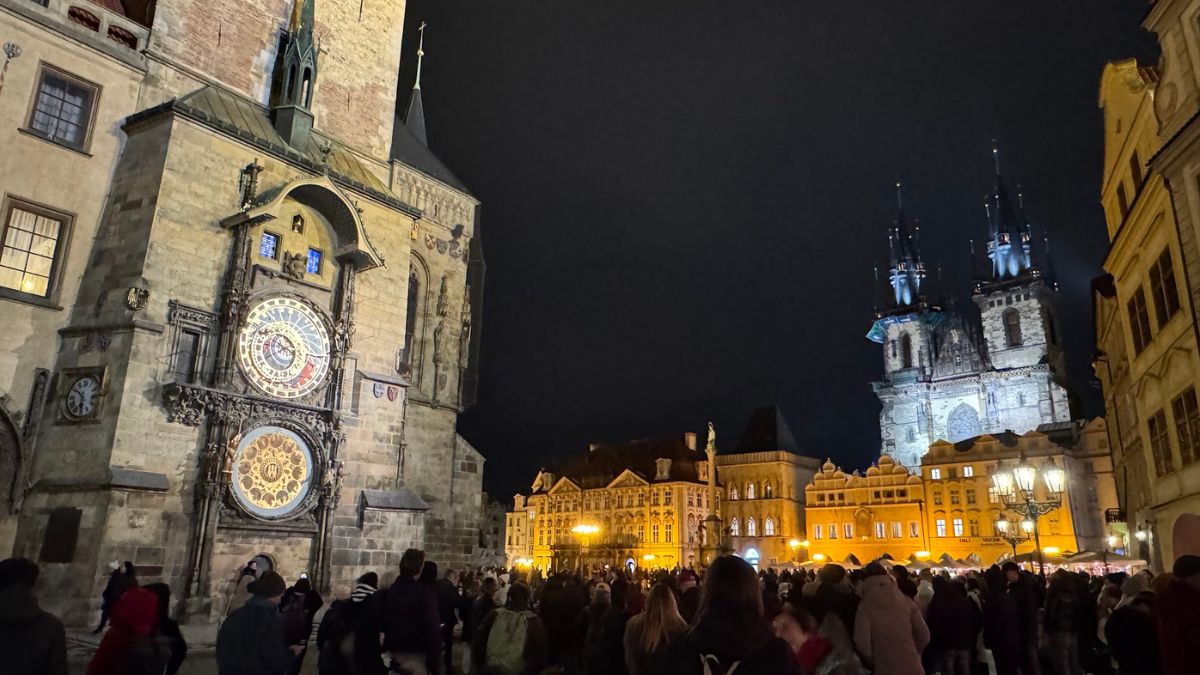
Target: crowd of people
[{"x": 727, "y": 620}]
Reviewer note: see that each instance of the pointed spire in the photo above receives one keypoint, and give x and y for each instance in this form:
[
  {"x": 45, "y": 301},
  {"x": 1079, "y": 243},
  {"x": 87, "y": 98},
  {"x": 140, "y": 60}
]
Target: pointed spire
[
  {"x": 414, "y": 119},
  {"x": 1008, "y": 228},
  {"x": 996, "y": 156},
  {"x": 297, "y": 68},
  {"x": 907, "y": 271}
]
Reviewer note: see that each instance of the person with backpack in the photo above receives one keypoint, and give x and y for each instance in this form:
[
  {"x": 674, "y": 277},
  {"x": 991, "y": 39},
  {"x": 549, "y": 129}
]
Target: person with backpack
[
  {"x": 731, "y": 636},
  {"x": 132, "y": 645},
  {"x": 250, "y": 641},
  {"x": 511, "y": 640},
  {"x": 338, "y": 634},
  {"x": 299, "y": 606}
]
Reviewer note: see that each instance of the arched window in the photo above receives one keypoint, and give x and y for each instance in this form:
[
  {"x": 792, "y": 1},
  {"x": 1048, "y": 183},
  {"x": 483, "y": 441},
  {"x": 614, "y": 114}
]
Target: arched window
[
  {"x": 1012, "y": 328},
  {"x": 735, "y": 530},
  {"x": 733, "y": 494},
  {"x": 767, "y": 491},
  {"x": 749, "y": 490},
  {"x": 906, "y": 355},
  {"x": 408, "y": 354},
  {"x": 751, "y": 528},
  {"x": 769, "y": 527}
]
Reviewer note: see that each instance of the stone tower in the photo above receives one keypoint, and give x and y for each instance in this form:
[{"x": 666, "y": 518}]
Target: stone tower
[{"x": 276, "y": 325}]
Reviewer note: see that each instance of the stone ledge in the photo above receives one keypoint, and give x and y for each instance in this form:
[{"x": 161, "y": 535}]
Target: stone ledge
[
  {"x": 133, "y": 479},
  {"x": 401, "y": 499}
]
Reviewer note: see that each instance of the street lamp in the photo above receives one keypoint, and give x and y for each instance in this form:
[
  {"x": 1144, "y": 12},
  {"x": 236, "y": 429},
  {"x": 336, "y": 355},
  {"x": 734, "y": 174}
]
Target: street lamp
[
  {"x": 1011, "y": 534},
  {"x": 584, "y": 531},
  {"x": 1016, "y": 488}
]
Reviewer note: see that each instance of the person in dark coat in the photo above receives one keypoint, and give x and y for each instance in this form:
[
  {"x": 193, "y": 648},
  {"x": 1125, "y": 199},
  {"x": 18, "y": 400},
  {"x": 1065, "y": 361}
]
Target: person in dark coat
[
  {"x": 299, "y": 607},
  {"x": 409, "y": 618},
  {"x": 730, "y": 630},
  {"x": 119, "y": 581},
  {"x": 689, "y": 596},
  {"x": 608, "y": 655},
  {"x": 347, "y": 647},
  {"x": 32, "y": 641},
  {"x": 168, "y": 628},
  {"x": 1178, "y": 619},
  {"x": 1064, "y": 622},
  {"x": 132, "y": 645},
  {"x": 1132, "y": 639},
  {"x": 446, "y": 589},
  {"x": 590, "y": 624},
  {"x": 251, "y": 640},
  {"x": 1021, "y": 587},
  {"x": 1001, "y": 627},
  {"x": 904, "y": 581},
  {"x": 954, "y": 624}
]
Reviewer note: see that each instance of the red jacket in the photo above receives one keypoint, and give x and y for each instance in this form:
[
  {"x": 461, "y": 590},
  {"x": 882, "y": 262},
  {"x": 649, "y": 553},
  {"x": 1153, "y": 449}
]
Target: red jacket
[
  {"x": 1177, "y": 613},
  {"x": 129, "y": 645}
]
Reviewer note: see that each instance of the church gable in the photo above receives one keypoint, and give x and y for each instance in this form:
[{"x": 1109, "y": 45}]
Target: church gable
[{"x": 628, "y": 479}]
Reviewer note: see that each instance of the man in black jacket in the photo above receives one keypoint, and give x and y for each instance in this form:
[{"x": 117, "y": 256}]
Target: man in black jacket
[
  {"x": 410, "y": 620},
  {"x": 1020, "y": 587},
  {"x": 33, "y": 641},
  {"x": 251, "y": 641}
]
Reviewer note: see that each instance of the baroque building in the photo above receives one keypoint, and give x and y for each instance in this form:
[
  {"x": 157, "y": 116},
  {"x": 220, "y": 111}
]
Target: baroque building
[
  {"x": 242, "y": 297},
  {"x": 952, "y": 374},
  {"x": 655, "y": 502},
  {"x": 1144, "y": 304},
  {"x": 950, "y": 508}
]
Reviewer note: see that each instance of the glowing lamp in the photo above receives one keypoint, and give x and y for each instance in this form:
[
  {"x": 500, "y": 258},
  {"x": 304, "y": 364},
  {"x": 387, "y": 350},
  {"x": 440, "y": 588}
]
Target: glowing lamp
[
  {"x": 818, "y": 557},
  {"x": 585, "y": 529},
  {"x": 794, "y": 544},
  {"x": 1112, "y": 541},
  {"x": 1002, "y": 526},
  {"x": 922, "y": 554},
  {"x": 1140, "y": 534},
  {"x": 1055, "y": 477},
  {"x": 1002, "y": 480},
  {"x": 1027, "y": 525},
  {"x": 804, "y": 543},
  {"x": 648, "y": 557},
  {"x": 1051, "y": 550},
  {"x": 1023, "y": 475}
]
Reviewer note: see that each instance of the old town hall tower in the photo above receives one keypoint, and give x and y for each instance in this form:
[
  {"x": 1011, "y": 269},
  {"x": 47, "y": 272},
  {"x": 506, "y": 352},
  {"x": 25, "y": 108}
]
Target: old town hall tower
[
  {"x": 951, "y": 375},
  {"x": 259, "y": 339}
]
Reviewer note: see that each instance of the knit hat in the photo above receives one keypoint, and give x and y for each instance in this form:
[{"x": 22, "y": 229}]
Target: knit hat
[
  {"x": 269, "y": 585},
  {"x": 362, "y": 592}
]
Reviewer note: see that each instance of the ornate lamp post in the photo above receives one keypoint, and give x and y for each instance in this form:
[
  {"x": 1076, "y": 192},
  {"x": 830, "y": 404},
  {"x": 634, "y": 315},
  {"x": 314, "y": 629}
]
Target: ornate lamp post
[
  {"x": 1014, "y": 535},
  {"x": 1016, "y": 488}
]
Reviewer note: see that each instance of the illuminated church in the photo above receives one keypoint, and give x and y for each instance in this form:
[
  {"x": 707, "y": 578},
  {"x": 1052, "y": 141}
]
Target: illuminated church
[{"x": 952, "y": 375}]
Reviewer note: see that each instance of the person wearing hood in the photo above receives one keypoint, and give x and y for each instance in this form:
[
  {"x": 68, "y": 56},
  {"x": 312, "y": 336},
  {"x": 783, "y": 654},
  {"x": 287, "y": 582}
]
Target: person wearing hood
[
  {"x": 338, "y": 636},
  {"x": 1177, "y": 611},
  {"x": 168, "y": 628},
  {"x": 33, "y": 641},
  {"x": 924, "y": 591},
  {"x": 689, "y": 596},
  {"x": 590, "y": 625},
  {"x": 119, "y": 581},
  {"x": 1064, "y": 622},
  {"x": 299, "y": 606},
  {"x": 132, "y": 646},
  {"x": 954, "y": 623},
  {"x": 731, "y": 635},
  {"x": 250, "y": 641},
  {"x": 833, "y": 604},
  {"x": 1132, "y": 640},
  {"x": 888, "y": 628}
]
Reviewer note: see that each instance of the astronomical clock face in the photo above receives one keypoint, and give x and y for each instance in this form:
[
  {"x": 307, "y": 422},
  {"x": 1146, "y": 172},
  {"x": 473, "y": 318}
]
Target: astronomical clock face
[
  {"x": 272, "y": 472},
  {"x": 284, "y": 348}
]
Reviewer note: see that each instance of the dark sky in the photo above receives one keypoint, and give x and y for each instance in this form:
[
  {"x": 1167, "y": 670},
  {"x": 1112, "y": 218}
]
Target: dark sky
[{"x": 683, "y": 201}]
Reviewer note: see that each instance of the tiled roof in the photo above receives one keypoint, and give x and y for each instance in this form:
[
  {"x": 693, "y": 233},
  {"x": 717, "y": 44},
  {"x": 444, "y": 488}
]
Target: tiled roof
[
  {"x": 248, "y": 121},
  {"x": 767, "y": 431},
  {"x": 604, "y": 463},
  {"x": 411, "y": 151}
]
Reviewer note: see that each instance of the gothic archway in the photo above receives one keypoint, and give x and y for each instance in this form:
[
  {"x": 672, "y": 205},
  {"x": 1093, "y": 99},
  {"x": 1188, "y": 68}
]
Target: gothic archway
[{"x": 10, "y": 460}]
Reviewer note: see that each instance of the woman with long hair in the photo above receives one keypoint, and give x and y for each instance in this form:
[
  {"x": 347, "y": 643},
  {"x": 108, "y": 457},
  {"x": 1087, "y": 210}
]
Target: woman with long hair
[
  {"x": 731, "y": 634},
  {"x": 648, "y": 635}
]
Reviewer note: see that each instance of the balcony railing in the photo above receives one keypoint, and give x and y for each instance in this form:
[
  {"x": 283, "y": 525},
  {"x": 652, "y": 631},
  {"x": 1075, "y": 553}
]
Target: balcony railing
[{"x": 110, "y": 26}]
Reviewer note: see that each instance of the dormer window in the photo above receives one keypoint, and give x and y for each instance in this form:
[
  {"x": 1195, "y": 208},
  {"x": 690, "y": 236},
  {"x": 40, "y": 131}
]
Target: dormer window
[{"x": 662, "y": 469}]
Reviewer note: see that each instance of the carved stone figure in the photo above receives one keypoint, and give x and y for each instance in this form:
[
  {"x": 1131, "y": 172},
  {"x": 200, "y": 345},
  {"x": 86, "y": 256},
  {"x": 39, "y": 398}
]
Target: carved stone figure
[
  {"x": 294, "y": 264},
  {"x": 712, "y": 437}
]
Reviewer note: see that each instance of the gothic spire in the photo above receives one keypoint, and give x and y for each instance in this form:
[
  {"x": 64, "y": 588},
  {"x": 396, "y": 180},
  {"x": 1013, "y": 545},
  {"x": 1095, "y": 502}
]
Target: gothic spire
[
  {"x": 907, "y": 270},
  {"x": 414, "y": 119},
  {"x": 1008, "y": 229},
  {"x": 298, "y": 68}
]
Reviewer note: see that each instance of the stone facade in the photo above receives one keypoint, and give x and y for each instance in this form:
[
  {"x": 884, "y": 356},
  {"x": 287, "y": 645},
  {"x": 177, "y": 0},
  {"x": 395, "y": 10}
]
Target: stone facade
[
  {"x": 1145, "y": 303},
  {"x": 255, "y": 379}
]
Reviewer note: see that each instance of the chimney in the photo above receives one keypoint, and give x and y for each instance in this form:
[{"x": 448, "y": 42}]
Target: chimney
[{"x": 689, "y": 439}]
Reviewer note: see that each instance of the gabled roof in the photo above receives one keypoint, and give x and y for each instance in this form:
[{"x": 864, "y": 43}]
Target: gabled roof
[
  {"x": 602, "y": 464},
  {"x": 563, "y": 484},
  {"x": 627, "y": 474},
  {"x": 767, "y": 431},
  {"x": 407, "y": 148}
]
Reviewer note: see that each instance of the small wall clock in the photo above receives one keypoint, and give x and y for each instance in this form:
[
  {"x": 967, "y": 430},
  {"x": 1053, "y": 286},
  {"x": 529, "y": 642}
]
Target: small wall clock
[{"x": 81, "y": 391}]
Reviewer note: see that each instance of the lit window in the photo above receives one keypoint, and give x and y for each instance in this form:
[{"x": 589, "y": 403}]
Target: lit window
[
  {"x": 833, "y": 531},
  {"x": 848, "y": 530},
  {"x": 941, "y": 527},
  {"x": 29, "y": 260},
  {"x": 749, "y": 490},
  {"x": 994, "y": 495},
  {"x": 751, "y": 527},
  {"x": 958, "y": 527},
  {"x": 974, "y": 525},
  {"x": 937, "y": 499},
  {"x": 897, "y": 530},
  {"x": 62, "y": 112},
  {"x": 667, "y": 533},
  {"x": 914, "y": 529},
  {"x": 968, "y": 471},
  {"x": 667, "y": 498},
  {"x": 769, "y": 527},
  {"x": 935, "y": 474},
  {"x": 735, "y": 529},
  {"x": 817, "y": 531},
  {"x": 767, "y": 491},
  {"x": 970, "y": 496},
  {"x": 314, "y": 261},
  {"x": 954, "y": 498},
  {"x": 733, "y": 493},
  {"x": 880, "y": 531}
]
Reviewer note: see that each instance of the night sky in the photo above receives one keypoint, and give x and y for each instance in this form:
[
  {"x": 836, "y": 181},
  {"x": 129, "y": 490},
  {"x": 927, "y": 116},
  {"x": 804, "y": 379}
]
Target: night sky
[{"x": 683, "y": 201}]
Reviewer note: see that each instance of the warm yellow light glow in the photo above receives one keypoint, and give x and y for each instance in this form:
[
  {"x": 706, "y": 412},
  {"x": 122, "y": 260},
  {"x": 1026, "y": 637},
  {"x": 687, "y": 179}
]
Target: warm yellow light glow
[
  {"x": 1140, "y": 534},
  {"x": 922, "y": 554},
  {"x": 794, "y": 544},
  {"x": 1051, "y": 550},
  {"x": 648, "y": 557},
  {"x": 585, "y": 530},
  {"x": 523, "y": 562},
  {"x": 1112, "y": 541},
  {"x": 818, "y": 556},
  {"x": 804, "y": 543},
  {"x": 1027, "y": 525}
]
